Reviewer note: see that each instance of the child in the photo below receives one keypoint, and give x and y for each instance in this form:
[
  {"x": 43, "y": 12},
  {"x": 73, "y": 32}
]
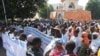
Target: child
[{"x": 70, "y": 47}]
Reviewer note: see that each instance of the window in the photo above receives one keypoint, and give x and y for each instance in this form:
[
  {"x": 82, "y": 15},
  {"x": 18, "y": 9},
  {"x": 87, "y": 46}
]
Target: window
[{"x": 72, "y": 5}]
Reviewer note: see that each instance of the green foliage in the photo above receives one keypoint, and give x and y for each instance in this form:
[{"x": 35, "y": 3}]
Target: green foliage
[
  {"x": 94, "y": 7},
  {"x": 21, "y": 8},
  {"x": 1, "y": 10},
  {"x": 45, "y": 12}
]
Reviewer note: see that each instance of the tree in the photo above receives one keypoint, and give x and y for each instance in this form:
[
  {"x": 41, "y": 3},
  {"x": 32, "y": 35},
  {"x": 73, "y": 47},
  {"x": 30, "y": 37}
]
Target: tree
[
  {"x": 94, "y": 7},
  {"x": 1, "y": 10},
  {"x": 45, "y": 12},
  {"x": 21, "y": 8}
]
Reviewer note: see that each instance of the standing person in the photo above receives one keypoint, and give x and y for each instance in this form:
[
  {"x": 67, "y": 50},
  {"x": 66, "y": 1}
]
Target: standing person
[
  {"x": 95, "y": 44},
  {"x": 77, "y": 41},
  {"x": 36, "y": 49},
  {"x": 86, "y": 39},
  {"x": 0, "y": 37},
  {"x": 23, "y": 37},
  {"x": 70, "y": 47},
  {"x": 57, "y": 36},
  {"x": 21, "y": 45},
  {"x": 69, "y": 34},
  {"x": 2, "y": 50},
  {"x": 70, "y": 31},
  {"x": 30, "y": 38},
  {"x": 11, "y": 33}
]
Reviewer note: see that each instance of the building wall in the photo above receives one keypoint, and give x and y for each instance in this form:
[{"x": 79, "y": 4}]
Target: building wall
[
  {"x": 80, "y": 15},
  {"x": 71, "y": 13},
  {"x": 68, "y": 2}
]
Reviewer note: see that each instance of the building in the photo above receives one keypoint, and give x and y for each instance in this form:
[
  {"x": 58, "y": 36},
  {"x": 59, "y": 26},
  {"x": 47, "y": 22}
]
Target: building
[{"x": 69, "y": 9}]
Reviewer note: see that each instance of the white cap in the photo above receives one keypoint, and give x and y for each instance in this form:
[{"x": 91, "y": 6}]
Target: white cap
[{"x": 30, "y": 37}]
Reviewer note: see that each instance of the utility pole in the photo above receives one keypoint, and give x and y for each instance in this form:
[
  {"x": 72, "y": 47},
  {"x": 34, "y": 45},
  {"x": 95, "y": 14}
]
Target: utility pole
[
  {"x": 47, "y": 12},
  {"x": 4, "y": 11}
]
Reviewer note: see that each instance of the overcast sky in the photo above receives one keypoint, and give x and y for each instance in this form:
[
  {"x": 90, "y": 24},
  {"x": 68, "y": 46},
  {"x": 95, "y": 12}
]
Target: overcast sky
[{"x": 81, "y": 2}]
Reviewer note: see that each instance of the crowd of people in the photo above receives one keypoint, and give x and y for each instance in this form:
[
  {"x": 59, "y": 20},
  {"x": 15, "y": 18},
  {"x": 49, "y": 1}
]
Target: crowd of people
[{"x": 72, "y": 38}]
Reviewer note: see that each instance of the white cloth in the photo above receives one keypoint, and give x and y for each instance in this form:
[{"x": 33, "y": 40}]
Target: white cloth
[
  {"x": 50, "y": 46},
  {"x": 80, "y": 31},
  {"x": 8, "y": 45},
  {"x": 4, "y": 39},
  {"x": 22, "y": 48},
  {"x": 95, "y": 44},
  {"x": 65, "y": 38},
  {"x": 13, "y": 47},
  {"x": 18, "y": 47},
  {"x": 77, "y": 43},
  {"x": 11, "y": 35},
  {"x": 18, "y": 27}
]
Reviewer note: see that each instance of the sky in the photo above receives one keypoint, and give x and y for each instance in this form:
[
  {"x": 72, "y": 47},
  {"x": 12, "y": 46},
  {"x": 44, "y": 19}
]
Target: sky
[{"x": 81, "y": 2}]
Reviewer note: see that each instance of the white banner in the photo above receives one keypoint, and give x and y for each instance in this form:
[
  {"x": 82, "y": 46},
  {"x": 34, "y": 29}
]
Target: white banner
[
  {"x": 14, "y": 47},
  {"x": 45, "y": 39}
]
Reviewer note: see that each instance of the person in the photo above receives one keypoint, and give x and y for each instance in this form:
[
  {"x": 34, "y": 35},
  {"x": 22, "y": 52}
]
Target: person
[
  {"x": 30, "y": 37},
  {"x": 2, "y": 49},
  {"x": 20, "y": 31},
  {"x": 95, "y": 44},
  {"x": 1, "y": 37},
  {"x": 69, "y": 34},
  {"x": 21, "y": 45},
  {"x": 86, "y": 39},
  {"x": 77, "y": 41},
  {"x": 23, "y": 37},
  {"x": 98, "y": 54},
  {"x": 36, "y": 49},
  {"x": 58, "y": 49},
  {"x": 11, "y": 33},
  {"x": 71, "y": 29},
  {"x": 70, "y": 47},
  {"x": 57, "y": 36},
  {"x": 16, "y": 35}
]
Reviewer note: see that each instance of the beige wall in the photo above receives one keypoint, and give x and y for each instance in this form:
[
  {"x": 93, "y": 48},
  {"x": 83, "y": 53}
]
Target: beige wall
[{"x": 68, "y": 2}]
